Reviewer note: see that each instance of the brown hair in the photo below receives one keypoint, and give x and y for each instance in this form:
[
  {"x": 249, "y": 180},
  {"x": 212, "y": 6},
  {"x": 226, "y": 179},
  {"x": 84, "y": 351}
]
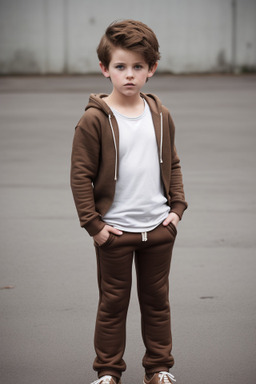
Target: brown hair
[{"x": 132, "y": 35}]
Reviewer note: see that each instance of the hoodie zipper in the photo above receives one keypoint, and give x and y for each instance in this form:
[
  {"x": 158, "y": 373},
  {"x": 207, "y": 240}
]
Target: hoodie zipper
[{"x": 114, "y": 139}]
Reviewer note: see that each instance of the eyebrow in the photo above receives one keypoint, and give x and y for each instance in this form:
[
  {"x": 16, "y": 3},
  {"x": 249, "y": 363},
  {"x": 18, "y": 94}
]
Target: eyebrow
[{"x": 122, "y": 63}]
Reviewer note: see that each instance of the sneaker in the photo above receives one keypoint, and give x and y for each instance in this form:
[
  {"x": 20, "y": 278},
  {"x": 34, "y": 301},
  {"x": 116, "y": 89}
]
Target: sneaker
[
  {"x": 160, "y": 378},
  {"x": 107, "y": 379}
]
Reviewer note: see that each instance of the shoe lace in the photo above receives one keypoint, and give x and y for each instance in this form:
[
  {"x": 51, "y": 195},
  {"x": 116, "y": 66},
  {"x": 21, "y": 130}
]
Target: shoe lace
[
  {"x": 104, "y": 380},
  {"x": 166, "y": 377}
]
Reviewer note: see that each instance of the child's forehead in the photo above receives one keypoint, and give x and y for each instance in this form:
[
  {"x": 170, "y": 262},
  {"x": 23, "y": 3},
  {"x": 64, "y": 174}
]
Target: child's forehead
[{"x": 119, "y": 54}]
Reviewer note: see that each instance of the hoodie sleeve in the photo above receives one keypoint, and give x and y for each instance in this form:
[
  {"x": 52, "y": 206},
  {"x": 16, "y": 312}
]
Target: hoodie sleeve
[
  {"x": 176, "y": 189},
  {"x": 84, "y": 168}
]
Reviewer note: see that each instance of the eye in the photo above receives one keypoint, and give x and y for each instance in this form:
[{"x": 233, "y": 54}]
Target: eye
[
  {"x": 138, "y": 66},
  {"x": 120, "y": 67}
]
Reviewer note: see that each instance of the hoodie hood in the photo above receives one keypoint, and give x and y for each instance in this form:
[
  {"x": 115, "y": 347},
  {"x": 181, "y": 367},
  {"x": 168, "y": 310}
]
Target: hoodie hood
[{"x": 97, "y": 101}]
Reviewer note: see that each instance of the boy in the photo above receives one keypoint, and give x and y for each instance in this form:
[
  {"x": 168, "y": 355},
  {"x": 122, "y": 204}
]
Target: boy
[{"x": 127, "y": 186}]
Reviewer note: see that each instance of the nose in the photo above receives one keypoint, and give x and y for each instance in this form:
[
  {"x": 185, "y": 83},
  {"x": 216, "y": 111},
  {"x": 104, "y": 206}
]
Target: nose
[{"x": 129, "y": 73}]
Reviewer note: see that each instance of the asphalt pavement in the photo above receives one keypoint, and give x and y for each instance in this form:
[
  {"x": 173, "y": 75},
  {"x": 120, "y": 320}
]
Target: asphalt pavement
[{"x": 48, "y": 287}]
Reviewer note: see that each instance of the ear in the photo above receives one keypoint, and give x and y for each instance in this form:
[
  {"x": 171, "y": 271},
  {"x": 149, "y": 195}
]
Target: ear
[
  {"x": 152, "y": 70},
  {"x": 104, "y": 70}
]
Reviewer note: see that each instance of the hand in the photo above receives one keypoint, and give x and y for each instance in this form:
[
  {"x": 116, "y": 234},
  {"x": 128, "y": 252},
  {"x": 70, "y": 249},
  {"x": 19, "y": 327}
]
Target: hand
[
  {"x": 103, "y": 235},
  {"x": 172, "y": 218}
]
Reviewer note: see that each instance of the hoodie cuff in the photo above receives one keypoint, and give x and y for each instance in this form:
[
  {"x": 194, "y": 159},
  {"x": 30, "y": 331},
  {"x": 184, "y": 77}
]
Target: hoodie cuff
[
  {"x": 94, "y": 226},
  {"x": 179, "y": 208}
]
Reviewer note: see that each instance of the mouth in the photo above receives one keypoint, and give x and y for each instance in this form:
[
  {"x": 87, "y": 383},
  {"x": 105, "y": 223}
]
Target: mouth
[{"x": 129, "y": 85}]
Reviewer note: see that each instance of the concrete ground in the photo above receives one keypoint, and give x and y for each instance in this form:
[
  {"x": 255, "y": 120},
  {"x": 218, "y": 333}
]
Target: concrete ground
[{"x": 48, "y": 295}]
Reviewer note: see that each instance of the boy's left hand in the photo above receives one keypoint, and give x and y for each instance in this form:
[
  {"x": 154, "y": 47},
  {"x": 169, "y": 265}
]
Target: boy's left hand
[{"x": 172, "y": 217}]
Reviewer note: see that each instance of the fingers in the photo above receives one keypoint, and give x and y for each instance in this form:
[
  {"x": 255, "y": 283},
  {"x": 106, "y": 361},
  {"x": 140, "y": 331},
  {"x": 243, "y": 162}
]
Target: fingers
[
  {"x": 166, "y": 221},
  {"x": 172, "y": 217},
  {"x": 113, "y": 230}
]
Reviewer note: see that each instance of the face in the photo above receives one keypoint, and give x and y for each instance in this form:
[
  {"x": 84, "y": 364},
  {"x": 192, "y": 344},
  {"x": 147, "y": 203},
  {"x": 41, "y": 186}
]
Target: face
[{"x": 128, "y": 71}]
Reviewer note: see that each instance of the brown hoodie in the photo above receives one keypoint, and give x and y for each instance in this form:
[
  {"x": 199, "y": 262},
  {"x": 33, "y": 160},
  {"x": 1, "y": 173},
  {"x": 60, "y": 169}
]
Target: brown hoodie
[{"x": 94, "y": 164}]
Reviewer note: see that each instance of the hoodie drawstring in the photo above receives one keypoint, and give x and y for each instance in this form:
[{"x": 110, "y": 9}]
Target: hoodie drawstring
[
  {"x": 114, "y": 139},
  {"x": 161, "y": 139}
]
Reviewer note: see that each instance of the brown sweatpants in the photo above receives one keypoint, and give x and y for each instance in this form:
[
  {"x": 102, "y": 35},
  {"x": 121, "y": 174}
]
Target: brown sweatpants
[{"x": 152, "y": 260}]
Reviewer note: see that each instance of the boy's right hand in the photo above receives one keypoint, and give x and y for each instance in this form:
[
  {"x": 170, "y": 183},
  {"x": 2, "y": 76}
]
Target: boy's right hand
[{"x": 103, "y": 235}]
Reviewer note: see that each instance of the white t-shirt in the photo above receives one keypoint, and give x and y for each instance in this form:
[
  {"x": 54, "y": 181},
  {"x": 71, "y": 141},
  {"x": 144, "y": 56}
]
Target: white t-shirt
[{"x": 139, "y": 203}]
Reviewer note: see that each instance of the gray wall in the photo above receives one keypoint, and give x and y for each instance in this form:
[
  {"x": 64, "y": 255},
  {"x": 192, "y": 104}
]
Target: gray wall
[{"x": 60, "y": 36}]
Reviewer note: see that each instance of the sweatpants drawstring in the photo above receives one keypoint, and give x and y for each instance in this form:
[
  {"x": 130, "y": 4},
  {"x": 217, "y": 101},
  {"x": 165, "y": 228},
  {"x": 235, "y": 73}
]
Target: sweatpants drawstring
[{"x": 144, "y": 236}]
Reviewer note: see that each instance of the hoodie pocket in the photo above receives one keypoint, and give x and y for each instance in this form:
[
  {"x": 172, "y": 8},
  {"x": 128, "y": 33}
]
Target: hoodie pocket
[
  {"x": 107, "y": 242},
  {"x": 171, "y": 227}
]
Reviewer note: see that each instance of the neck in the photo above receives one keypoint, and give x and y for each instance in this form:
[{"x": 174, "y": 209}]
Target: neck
[{"x": 130, "y": 106}]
